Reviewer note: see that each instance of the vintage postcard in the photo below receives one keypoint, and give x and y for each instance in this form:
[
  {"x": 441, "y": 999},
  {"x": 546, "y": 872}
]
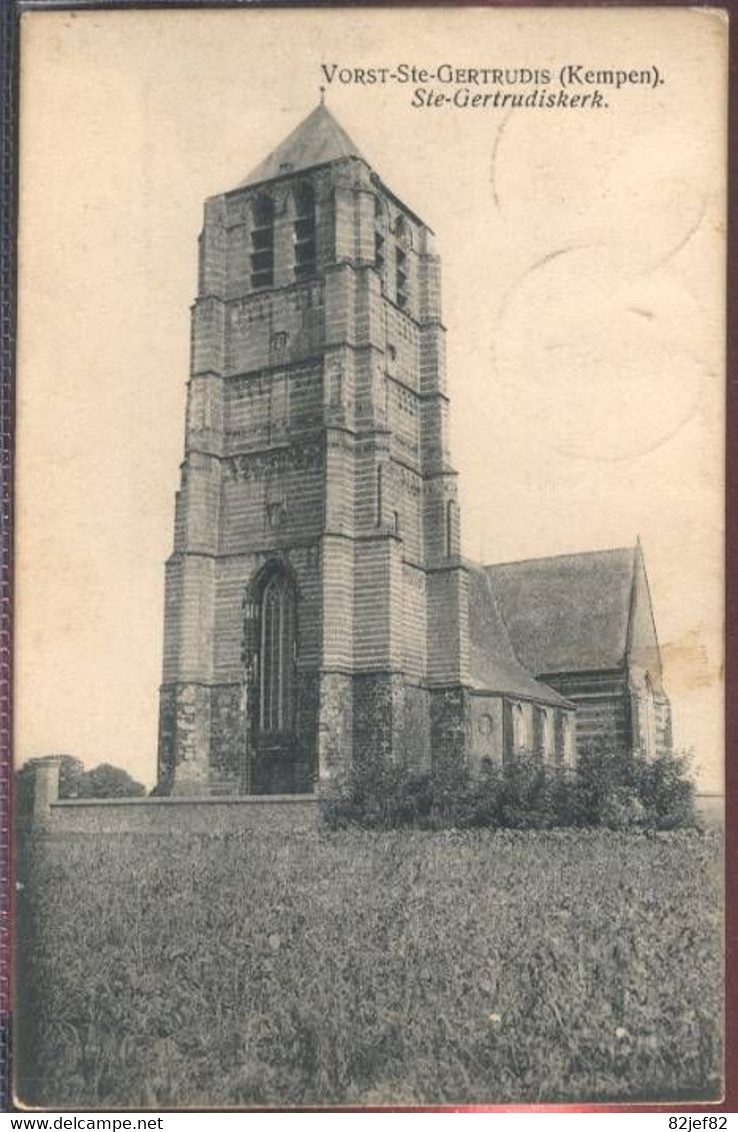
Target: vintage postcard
[{"x": 369, "y": 558}]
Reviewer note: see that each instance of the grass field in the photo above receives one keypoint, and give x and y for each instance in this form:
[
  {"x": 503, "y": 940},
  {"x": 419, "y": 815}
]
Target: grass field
[{"x": 369, "y": 968}]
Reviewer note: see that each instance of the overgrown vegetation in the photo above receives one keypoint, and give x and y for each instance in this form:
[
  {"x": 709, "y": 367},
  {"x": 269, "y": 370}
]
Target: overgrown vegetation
[
  {"x": 361, "y": 967},
  {"x": 614, "y": 789}
]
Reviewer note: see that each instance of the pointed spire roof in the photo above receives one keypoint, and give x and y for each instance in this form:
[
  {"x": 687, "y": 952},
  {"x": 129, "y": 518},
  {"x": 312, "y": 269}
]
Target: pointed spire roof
[{"x": 317, "y": 140}]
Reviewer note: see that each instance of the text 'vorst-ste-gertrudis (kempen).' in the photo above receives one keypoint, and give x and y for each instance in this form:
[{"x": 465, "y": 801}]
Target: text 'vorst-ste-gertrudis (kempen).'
[{"x": 572, "y": 85}]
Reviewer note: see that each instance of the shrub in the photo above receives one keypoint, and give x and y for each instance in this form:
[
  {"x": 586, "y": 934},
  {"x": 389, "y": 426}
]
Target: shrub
[
  {"x": 462, "y": 800},
  {"x": 106, "y": 781},
  {"x": 452, "y": 797},
  {"x": 609, "y": 787},
  {"x": 384, "y": 796},
  {"x": 528, "y": 793},
  {"x": 666, "y": 788},
  {"x": 621, "y": 808},
  {"x": 620, "y": 789}
]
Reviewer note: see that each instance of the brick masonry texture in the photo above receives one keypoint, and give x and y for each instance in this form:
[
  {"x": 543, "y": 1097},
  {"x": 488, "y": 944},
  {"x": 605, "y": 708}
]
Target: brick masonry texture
[
  {"x": 315, "y": 443},
  {"x": 316, "y": 452},
  {"x": 175, "y": 815}
]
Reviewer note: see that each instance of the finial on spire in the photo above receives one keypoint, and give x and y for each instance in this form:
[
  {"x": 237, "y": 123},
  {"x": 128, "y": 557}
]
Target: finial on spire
[{"x": 322, "y": 96}]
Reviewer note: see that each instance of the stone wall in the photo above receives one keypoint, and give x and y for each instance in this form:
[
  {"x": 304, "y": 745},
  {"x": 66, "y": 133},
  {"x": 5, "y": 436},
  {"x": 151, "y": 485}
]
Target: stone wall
[
  {"x": 335, "y": 730},
  {"x": 450, "y": 723},
  {"x": 207, "y": 815},
  {"x": 487, "y": 729},
  {"x": 167, "y": 737},
  {"x": 378, "y": 718},
  {"x": 184, "y": 737},
  {"x": 416, "y": 742},
  {"x": 227, "y": 738},
  {"x": 184, "y": 815}
]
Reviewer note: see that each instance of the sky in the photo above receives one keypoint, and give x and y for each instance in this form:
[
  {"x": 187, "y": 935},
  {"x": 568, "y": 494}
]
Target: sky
[{"x": 583, "y": 261}]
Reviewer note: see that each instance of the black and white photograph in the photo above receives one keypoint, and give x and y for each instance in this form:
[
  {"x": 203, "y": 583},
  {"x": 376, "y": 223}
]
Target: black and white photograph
[{"x": 369, "y": 581}]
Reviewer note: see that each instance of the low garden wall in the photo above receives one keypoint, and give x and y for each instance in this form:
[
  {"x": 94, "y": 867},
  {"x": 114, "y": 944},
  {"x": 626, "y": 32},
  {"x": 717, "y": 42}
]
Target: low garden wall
[
  {"x": 711, "y": 809},
  {"x": 50, "y": 814}
]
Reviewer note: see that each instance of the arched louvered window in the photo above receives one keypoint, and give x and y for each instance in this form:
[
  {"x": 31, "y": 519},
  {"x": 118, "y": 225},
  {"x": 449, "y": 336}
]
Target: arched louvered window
[
  {"x": 402, "y": 237},
  {"x": 262, "y": 243},
  {"x": 379, "y": 250},
  {"x": 649, "y": 720},
  {"x": 277, "y": 654},
  {"x": 304, "y": 232}
]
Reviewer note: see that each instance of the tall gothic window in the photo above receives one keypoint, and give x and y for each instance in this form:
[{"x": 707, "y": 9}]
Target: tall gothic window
[
  {"x": 547, "y": 734},
  {"x": 262, "y": 243},
  {"x": 521, "y": 736},
  {"x": 304, "y": 232},
  {"x": 567, "y": 738},
  {"x": 649, "y": 720},
  {"x": 277, "y": 655},
  {"x": 379, "y": 251}
]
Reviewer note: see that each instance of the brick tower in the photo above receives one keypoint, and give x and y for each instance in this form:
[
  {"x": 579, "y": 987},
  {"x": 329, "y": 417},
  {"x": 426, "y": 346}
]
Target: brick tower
[{"x": 316, "y": 604}]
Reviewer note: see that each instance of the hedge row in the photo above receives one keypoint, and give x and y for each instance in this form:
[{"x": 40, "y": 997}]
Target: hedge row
[{"x": 614, "y": 789}]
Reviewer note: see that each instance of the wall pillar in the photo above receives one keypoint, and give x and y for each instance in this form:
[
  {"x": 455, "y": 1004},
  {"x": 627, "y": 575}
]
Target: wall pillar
[
  {"x": 450, "y": 714},
  {"x": 45, "y": 790},
  {"x": 335, "y": 739},
  {"x": 192, "y": 742}
]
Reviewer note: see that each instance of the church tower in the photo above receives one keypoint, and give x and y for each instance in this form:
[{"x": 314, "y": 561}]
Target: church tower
[{"x": 316, "y": 610}]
